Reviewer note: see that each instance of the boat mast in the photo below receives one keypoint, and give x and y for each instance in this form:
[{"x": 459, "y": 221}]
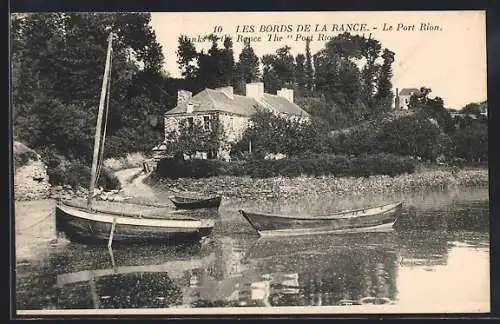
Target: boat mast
[{"x": 98, "y": 130}]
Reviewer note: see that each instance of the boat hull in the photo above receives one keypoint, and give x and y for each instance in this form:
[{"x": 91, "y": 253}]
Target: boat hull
[
  {"x": 372, "y": 219},
  {"x": 193, "y": 203},
  {"x": 95, "y": 227}
]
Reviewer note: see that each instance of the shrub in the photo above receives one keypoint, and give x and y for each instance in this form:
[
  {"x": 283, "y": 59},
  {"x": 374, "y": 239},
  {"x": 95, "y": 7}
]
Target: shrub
[
  {"x": 178, "y": 168},
  {"x": 471, "y": 142},
  {"x": 76, "y": 174},
  {"x": 410, "y": 135},
  {"x": 320, "y": 164}
]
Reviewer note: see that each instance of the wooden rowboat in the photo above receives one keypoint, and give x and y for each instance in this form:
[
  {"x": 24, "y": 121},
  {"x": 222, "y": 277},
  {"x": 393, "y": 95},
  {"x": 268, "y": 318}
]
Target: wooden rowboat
[
  {"x": 80, "y": 224},
  {"x": 373, "y": 219},
  {"x": 94, "y": 225},
  {"x": 189, "y": 202}
]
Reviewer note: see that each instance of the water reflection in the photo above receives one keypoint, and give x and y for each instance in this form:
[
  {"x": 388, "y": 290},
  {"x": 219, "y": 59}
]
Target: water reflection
[
  {"x": 94, "y": 277},
  {"x": 300, "y": 271},
  {"x": 233, "y": 270}
]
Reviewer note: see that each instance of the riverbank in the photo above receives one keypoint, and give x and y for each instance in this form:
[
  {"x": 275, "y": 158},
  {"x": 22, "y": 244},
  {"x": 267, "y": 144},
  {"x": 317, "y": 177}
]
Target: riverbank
[{"x": 243, "y": 188}]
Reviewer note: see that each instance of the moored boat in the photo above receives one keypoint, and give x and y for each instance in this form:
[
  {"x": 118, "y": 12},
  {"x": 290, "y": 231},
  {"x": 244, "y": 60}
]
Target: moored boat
[
  {"x": 87, "y": 223},
  {"x": 373, "y": 219},
  {"x": 80, "y": 224},
  {"x": 189, "y": 202}
]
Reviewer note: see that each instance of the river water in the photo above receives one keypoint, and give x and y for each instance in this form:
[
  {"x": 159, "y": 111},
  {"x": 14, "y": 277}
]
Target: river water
[{"x": 436, "y": 259}]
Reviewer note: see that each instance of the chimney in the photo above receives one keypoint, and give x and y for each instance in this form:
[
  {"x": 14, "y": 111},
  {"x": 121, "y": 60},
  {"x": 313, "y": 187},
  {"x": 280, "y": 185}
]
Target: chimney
[
  {"x": 189, "y": 107},
  {"x": 286, "y": 93},
  {"x": 183, "y": 96},
  {"x": 228, "y": 91},
  {"x": 255, "y": 90}
]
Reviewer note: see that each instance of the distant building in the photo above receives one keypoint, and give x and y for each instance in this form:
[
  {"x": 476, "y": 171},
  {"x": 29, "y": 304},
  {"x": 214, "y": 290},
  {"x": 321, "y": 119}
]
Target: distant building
[
  {"x": 402, "y": 99},
  {"x": 233, "y": 111}
]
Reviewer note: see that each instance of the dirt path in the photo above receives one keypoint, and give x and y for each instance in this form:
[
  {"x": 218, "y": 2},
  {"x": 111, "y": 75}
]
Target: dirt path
[{"x": 133, "y": 186}]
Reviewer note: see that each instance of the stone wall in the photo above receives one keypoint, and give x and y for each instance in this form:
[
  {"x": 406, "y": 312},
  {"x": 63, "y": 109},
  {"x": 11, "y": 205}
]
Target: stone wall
[
  {"x": 234, "y": 126},
  {"x": 31, "y": 181}
]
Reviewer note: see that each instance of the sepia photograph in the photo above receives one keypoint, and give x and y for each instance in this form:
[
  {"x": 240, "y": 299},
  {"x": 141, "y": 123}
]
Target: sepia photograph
[{"x": 193, "y": 163}]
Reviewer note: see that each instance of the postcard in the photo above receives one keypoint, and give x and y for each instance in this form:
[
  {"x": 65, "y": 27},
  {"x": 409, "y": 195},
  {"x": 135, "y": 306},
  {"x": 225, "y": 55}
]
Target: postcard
[{"x": 232, "y": 163}]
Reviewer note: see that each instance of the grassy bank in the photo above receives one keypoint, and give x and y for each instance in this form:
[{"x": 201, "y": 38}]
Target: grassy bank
[{"x": 423, "y": 179}]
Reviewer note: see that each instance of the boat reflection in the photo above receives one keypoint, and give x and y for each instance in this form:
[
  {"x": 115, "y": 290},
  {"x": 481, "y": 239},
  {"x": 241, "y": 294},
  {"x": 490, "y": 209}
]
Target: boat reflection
[
  {"x": 306, "y": 271},
  {"x": 453, "y": 217},
  {"x": 123, "y": 278},
  {"x": 423, "y": 249}
]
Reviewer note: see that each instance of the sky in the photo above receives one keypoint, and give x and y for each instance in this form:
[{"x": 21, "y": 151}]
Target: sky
[{"x": 449, "y": 58}]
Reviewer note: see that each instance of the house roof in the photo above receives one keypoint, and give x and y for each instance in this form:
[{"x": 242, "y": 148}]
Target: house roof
[
  {"x": 215, "y": 100},
  {"x": 408, "y": 91},
  {"x": 282, "y": 105}
]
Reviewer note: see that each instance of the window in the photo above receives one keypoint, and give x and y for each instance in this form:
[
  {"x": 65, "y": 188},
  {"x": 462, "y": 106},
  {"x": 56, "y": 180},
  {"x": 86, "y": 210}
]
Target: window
[
  {"x": 406, "y": 100},
  {"x": 206, "y": 123},
  {"x": 189, "y": 122}
]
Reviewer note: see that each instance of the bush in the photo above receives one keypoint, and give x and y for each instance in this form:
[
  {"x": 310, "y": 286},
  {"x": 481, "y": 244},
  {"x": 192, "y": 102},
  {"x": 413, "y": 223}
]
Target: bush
[
  {"x": 76, "y": 174},
  {"x": 316, "y": 165},
  {"x": 178, "y": 168},
  {"x": 471, "y": 142},
  {"x": 410, "y": 135}
]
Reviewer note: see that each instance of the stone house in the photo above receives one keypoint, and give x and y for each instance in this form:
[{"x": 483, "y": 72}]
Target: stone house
[
  {"x": 232, "y": 111},
  {"x": 403, "y": 97}
]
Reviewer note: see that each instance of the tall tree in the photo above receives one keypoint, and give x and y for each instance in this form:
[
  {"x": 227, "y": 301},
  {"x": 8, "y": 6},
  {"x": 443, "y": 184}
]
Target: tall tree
[
  {"x": 309, "y": 67},
  {"x": 271, "y": 80},
  {"x": 210, "y": 72},
  {"x": 300, "y": 74},
  {"x": 279, "y": 70},
  {"x": 371, "y": 51},
  {"x": 248, "y": 65},
  {"x": 384, "y": 96},
  {"x": 186, "y": 57},
  {"x": 284, "y": 65},
  {"x": 227, "y": 61}
]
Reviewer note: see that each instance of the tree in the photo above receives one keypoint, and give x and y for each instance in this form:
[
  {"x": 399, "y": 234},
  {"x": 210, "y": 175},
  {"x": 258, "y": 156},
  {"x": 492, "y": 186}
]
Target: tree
[
  {"x": 300, "y": 74},
  {"x": 472, "y": 108},
  {"x": 338, "y": 80},
  {"x": 248, "y": 65},
  {"x": 271, "y": 80},
  {"x": 186, "y": 57},
  {"x": 410, "y": 135},
  {"x": 270, "y": 133},
  {"x": 432, "y": 108},
  {"x": 227, "y": 61},
  {"x": 59, "y": 62},
  {"x": 209, "y": 66},
  {"x": 471, "y": 142},
  {"x": 194, "y": 137},
  {"x": 309, "y": 68},
  {"x": 384, "y": 95},
  {"x": 278, "y": 70},
  {"x": 370, "y": 49},
  {"x": 284, "y": 65}
]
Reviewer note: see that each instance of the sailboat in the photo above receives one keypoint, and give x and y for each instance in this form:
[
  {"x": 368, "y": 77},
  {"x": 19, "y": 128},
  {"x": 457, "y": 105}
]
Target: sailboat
[{"x": 82, "y": 222}]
